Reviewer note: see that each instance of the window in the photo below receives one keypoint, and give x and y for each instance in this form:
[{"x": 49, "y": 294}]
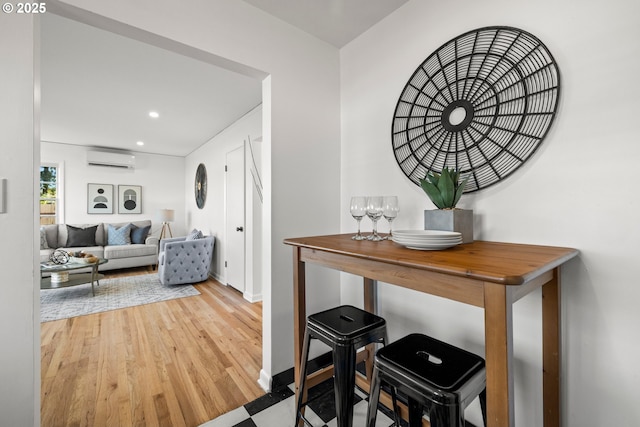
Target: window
[{"x": 49, "y": 195}]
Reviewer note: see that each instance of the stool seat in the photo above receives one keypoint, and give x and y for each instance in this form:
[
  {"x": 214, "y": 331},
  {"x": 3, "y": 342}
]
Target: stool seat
[
  {"x": 434, "y": 375},
  {"x": 344, "y": 329},
  {"x": 345, "y": 324},
  {"x": 434, "y": 362}
]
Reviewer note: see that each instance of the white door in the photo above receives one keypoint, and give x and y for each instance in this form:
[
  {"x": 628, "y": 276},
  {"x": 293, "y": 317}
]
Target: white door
[{"x": 235, "y": 219}]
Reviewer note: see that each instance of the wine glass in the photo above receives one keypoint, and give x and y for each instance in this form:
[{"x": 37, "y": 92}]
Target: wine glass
[
  {"x": 390, "y": 211},
  {"x": 358, "y": 211},
  {"x": 374, "y": 212}
]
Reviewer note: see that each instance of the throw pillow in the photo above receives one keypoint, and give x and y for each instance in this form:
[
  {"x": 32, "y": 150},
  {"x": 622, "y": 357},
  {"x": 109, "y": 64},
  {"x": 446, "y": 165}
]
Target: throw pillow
[
  {"x": 139, "y": 234},
  {"x": 81, "y": 237},
  {"x": 195, "y": 234},
  {"x": 43, "y": 239},
  {"x": 119, "y": 236}
]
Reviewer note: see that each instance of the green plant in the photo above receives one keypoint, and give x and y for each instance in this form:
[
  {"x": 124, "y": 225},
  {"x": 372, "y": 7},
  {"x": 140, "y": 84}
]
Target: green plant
[{"x": 445, "y": 188}]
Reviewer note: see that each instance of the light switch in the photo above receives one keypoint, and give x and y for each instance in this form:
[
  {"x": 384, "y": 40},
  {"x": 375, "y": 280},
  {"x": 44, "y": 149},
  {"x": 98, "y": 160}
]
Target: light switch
[{"x": 3, "y": 195}]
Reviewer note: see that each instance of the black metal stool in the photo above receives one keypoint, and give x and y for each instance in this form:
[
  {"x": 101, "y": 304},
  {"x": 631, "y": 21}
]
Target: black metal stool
[
  {"x": 435, "y": 376},
  {"x": 344, "y": 329}
]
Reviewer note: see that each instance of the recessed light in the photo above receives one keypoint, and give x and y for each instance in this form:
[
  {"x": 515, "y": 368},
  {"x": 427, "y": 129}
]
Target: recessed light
[
  {"x": 154, "y": 114},
  {"x": 141, "y": 143}
]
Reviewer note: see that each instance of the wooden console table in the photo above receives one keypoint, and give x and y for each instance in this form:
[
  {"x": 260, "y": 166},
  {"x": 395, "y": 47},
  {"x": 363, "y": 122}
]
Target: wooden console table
[{"x": 489, "y": 275}]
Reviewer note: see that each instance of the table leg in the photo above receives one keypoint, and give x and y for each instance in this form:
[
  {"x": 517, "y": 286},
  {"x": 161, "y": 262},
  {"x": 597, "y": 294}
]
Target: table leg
[
  {"x": 551, "y": 336},
  {"x": 371, "y": 295},
  {"x": 299, "y": 315},
  {"x": 370, "y": 305},
  {"x": 94, "y": 273},
  {"x": 498, "y": 328},
  {"x": 97, "y": 275}
]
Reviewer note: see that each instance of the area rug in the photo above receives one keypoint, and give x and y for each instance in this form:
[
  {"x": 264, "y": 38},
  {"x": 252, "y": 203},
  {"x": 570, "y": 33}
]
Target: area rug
[{"x": 112, "y": 294}]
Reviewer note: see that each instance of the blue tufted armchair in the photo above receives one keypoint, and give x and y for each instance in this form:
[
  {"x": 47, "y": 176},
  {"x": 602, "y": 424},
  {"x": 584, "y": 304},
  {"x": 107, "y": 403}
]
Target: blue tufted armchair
[{"x": 185, "y": 261}]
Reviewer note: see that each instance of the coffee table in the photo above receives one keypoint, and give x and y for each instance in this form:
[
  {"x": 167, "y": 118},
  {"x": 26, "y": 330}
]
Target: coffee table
[{"x": 60, "y": 277}]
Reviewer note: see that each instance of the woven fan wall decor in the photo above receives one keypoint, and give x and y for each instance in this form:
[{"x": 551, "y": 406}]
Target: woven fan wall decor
[{"x": 482, "y": 104}]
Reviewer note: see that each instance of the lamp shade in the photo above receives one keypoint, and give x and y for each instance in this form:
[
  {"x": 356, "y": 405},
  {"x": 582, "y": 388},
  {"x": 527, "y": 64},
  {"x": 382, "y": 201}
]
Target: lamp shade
[{"x": 165, "y": 215}]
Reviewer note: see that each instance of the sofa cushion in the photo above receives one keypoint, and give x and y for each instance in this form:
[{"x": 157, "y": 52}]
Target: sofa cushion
[
  {"x": 51, "y": 232},
  {"x": 119, "y": 236},
  {"x": 62, "y": 234},
  {"x": 129, "y": 251},
  {"x": 81, "y": 237},
  {"x": 43, "y": 239},
  {"x": 101, "y": 235},
  {"x": 139, "y": 234},
  {"x": 194, "y": 235},
  {"x": 141, "y": 223}
]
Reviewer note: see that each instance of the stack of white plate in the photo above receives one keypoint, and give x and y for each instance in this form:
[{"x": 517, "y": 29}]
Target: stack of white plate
[{"x": 427, "y": 240}]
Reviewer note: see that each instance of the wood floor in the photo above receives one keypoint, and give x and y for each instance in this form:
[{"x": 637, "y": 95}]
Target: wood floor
[{"x": 175, "y": 363}]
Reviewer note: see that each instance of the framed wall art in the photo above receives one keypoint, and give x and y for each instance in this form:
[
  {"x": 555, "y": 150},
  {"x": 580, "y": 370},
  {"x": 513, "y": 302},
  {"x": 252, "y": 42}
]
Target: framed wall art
[
  {"x": 129, "y": 199},
  {"x": 99, "y": 198}
]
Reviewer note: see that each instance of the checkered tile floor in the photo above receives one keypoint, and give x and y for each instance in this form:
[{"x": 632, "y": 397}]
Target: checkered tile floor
[{"x": 276, "y": 409}]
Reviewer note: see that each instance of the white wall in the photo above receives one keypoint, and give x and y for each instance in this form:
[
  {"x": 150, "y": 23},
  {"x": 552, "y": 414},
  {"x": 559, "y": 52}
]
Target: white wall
[
  {"x": 577, "y": 191},
  {"x": 211, "y": 218},
  {"x": 161, "y": 177},
  {"x": 19, "y": 145}
]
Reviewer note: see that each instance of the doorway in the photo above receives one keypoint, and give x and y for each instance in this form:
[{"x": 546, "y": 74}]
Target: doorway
[{"x": 267, "y": 224}]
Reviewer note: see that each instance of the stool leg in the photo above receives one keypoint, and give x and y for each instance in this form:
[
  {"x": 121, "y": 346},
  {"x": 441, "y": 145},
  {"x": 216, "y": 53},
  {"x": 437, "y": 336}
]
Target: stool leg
[
  {"x": 374, "y": 397},
  {"x": 483, "y": 405},
  {"x": 415, "y": 413},
  {"x": 344, "y": 363},
  {"x": 371, "y": 348},
  {"x": 302, "y": 392},
  {"x": 446, "y": 416},
  {"x": 396, "y": 408}
]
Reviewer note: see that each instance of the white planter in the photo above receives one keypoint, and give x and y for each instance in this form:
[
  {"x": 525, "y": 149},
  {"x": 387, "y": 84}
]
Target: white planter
[
  {"x": 460, "y": 220},
  {"x": 59, "y": 277}
]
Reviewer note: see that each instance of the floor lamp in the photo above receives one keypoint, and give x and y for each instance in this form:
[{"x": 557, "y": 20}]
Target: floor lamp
[{"x": 166, "y": 216}]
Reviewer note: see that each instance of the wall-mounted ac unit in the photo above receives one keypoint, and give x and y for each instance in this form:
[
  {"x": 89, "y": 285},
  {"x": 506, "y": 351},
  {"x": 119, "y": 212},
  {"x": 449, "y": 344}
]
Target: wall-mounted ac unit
[{"x": 111, "y": 159}]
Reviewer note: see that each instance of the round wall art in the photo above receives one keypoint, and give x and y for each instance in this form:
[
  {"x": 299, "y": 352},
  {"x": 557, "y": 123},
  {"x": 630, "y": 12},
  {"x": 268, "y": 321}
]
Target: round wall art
[
  {"x": 200, "y": 189},
  {"x": 482, "y": 104}
]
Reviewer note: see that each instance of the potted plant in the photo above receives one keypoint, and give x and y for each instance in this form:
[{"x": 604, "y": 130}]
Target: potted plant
[{"x": 445, "y": 190}]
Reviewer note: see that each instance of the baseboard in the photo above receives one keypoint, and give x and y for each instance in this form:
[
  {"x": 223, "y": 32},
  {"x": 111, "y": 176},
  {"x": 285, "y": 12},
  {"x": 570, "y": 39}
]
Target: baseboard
[
  {"x": 265, "y": 381},
  {"x": 283, "y": 379},
  {"x": 216, "y": 277},
  {"x": 252, "y": 298}
]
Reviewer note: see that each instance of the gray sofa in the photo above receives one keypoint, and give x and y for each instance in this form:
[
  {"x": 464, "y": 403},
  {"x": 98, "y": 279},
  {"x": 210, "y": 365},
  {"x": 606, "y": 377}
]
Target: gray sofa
[
  {"x": 119, "y": 256},
  {"x": 185, "y": 260}
]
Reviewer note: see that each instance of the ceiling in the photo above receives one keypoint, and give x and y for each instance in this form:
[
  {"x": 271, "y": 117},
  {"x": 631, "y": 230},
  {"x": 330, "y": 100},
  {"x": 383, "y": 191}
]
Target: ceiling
[
  {"x": 98, "y": 88},
  {"x": 335, "y": 21}
]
